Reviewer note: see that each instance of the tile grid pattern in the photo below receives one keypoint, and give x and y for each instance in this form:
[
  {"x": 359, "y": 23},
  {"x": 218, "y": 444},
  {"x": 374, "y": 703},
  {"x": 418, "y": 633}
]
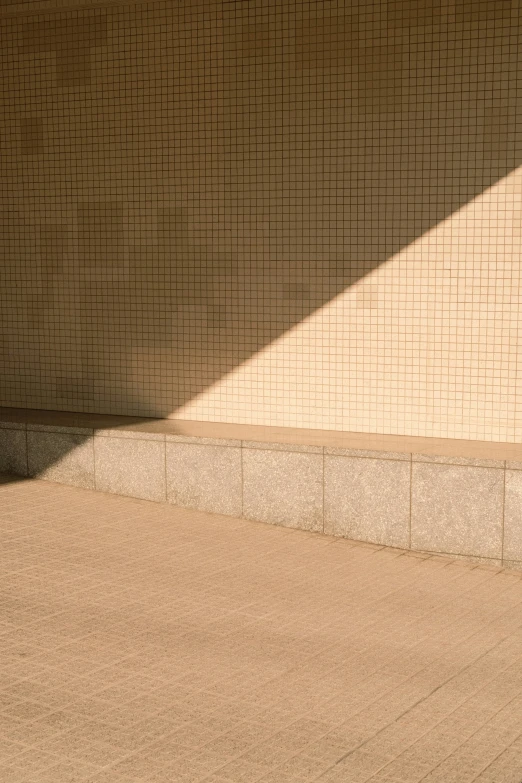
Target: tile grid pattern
[
  {"x": 274, "y": 212},
  {"x": 452, "y": 505},
  {"x": 145, "y": 644}
]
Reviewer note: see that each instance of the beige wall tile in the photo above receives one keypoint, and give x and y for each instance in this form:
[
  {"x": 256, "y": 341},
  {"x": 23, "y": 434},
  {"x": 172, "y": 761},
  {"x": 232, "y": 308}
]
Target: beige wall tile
[
  {"x": 457, "y": 509},
  {"x": 63, "y": 457},
  {"x": 100, "y": 234},
  {"x": 204, "y": 477},
  {"x": 128, "y": 466},
  {"x": 367, "y": 499},
  {"x": 31, "y": 135},
  {"x": 174, "y": 247},
  {"x": 283, "y": 488}
]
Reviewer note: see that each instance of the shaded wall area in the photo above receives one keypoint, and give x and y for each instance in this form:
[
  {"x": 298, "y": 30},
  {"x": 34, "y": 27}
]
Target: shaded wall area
[{"x": 187, "y": 187}]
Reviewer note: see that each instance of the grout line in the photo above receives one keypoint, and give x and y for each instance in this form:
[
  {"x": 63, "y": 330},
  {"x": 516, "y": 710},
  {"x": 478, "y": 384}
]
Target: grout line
[{"x": 92, "y": 5}]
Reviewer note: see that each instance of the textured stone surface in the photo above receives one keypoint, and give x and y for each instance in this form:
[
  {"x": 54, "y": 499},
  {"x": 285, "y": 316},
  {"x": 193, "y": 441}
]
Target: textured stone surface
[
  {"x": 369, "y": 453},
  {"x": 203, "y": 441},
  {"x": 473, "y": 461},
  {"x": 13, "y": 451},
  {"x": 368, "y": 499},
  {"x": 283, "y": 488},
  {"x": 204, "y": 477},
  {"x": 68, "y": 429},
  {"x": 513, "y": 516},
  {"x": 515, "y": 565},
  {"x": 457, "y": 509},
  {"x": 135, "y": 432},
  {"x": 454, "y": 511},
  {"x": 302, "y": 448},
  {"x": 131, "y": 466},
  {"x": 59, "y": 456}
]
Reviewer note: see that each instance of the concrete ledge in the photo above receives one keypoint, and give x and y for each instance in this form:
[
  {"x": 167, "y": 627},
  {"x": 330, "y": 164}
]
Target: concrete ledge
[
  {"x": 358, "y": 444},
  {"x": 460, "y": 498}
]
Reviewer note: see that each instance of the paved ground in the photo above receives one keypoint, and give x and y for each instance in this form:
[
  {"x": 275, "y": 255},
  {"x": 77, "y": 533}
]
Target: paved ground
[{"x": 139, "y": 642}]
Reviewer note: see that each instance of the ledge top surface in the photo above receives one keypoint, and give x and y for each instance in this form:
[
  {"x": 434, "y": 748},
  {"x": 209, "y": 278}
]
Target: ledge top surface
[{"x": 413, "y": 444}]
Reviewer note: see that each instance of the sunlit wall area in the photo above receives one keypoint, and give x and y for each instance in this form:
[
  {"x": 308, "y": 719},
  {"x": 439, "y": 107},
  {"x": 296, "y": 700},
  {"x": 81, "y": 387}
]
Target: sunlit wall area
[
  {"x": 303, "y": 214},
  {"x": 425, "y": 344}
]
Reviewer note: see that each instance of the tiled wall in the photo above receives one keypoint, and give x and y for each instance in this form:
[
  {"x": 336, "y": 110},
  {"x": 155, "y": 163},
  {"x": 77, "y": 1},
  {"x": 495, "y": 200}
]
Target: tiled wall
[
  {"x": 466, "y": 507},
  {"x": 264, "y": 211}
]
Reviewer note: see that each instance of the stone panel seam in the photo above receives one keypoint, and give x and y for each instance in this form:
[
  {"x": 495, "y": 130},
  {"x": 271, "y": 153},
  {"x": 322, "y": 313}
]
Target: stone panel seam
[{"x": 323, "y": 480}]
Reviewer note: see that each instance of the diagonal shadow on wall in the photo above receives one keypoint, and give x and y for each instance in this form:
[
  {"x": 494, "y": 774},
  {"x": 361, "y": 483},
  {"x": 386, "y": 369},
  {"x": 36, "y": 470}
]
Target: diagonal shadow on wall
[{"x": 183, "y": 183}]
